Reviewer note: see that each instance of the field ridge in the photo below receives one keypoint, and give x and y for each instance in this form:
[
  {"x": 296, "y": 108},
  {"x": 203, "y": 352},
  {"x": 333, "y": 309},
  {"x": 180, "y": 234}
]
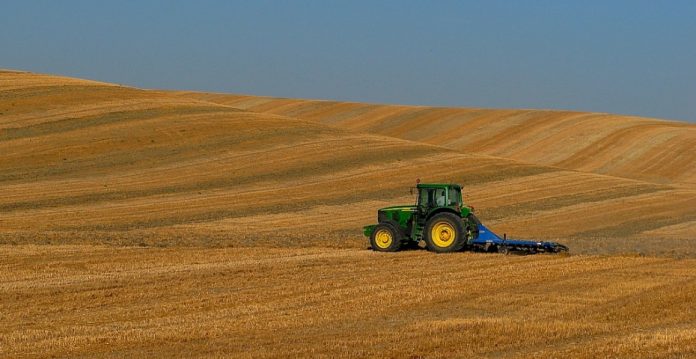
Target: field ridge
[{"x": 653, "y": 150}]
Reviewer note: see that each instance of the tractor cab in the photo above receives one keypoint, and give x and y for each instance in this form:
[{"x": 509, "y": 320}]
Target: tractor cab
[{"x": 435, "y": 195}]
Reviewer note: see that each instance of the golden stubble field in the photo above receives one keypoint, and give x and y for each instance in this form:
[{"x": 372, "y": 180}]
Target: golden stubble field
[
  {"x": 149, "y": 223},
  {"x": 87, "y": 301}
]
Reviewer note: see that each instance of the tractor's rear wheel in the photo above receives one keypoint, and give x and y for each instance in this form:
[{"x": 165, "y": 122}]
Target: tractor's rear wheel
[
  {"x": 385, "y": 238},
  {"x": 445, "y": 232}
]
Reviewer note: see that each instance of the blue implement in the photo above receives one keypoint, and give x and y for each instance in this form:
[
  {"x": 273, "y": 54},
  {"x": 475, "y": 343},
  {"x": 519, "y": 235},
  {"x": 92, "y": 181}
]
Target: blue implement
[{"x": 488, "y": 241}]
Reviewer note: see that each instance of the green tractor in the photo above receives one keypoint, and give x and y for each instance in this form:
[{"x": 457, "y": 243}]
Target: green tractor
[{"x": 439, "y": 218}]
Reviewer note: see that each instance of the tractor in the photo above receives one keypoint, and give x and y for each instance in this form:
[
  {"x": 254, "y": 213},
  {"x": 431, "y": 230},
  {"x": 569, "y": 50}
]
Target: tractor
[{"x": 443, "y": 223}]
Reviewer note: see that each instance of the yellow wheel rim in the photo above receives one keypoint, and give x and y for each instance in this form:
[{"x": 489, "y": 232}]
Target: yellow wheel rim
[
  {"x": 383, "y": 238},
  {"x": 443, "y": 234}
]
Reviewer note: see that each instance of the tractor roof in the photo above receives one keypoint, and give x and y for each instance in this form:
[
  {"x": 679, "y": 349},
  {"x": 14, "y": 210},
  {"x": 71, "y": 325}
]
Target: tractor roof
[{"x": 438, "y": 185}]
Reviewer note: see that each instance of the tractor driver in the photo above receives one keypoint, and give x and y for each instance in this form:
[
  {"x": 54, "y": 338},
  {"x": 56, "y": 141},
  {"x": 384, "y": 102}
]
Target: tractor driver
[
  {"x": 432, "y": 197},
  {"x": 440, "y": 198}
]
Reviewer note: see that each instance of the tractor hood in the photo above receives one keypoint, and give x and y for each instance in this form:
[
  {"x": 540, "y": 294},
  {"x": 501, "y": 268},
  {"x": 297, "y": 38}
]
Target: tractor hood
[{"x": 396, "y": 214}]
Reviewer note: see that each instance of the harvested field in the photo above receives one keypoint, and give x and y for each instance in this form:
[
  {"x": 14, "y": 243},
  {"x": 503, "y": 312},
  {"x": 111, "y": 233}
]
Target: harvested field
[
  {"x": 86, "y": 301},
  {"x": 151, "y": 223},
  {"x": 105, "y": 162},
  {"x": 625, "y": 146}
]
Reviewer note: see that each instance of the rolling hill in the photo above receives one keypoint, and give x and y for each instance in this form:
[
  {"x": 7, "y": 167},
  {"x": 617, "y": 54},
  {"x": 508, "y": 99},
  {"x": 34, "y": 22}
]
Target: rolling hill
[
  {"x": 84, "y": 161},
  {"x": 257, "y": 205},
  {"x": 624, "y": 146}
]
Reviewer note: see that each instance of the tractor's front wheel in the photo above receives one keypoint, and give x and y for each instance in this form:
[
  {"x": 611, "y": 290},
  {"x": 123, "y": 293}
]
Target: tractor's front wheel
[
  {"x": 385, "y": 238},
  {"x": 445, "y": 232}
]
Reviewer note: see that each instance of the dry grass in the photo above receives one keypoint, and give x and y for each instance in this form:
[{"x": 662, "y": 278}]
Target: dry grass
[
  {"x": 247, "y": 302},
  {"x": 641, "y": 148},
  {"x": 141, "y": 223},
  {"x": 81, "y": 157}
]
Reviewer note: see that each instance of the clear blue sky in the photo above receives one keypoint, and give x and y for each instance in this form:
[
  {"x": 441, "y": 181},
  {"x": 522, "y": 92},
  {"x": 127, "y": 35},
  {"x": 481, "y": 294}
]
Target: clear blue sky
[{"x": 632, "y": 56}]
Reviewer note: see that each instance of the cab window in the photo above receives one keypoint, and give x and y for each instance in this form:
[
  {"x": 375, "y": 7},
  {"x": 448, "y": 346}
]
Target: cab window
[
  {"x": 440, "y": 197},
  {"x": 455, "y": 196},
  {"x": 432, "y": 197}
]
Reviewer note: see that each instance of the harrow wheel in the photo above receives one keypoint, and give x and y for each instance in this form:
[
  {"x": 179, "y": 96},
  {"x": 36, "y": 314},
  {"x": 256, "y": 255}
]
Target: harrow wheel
[
  {"x": 385, "y": 238},
  {"x": 445, "y": 232},
  {"x": 503, "y": 250}
]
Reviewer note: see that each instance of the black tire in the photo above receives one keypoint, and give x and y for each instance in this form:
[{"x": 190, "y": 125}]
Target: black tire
[
  {"x": 452, "y": 242},
  {"x": 379, "y": 243},
  {"x": 560, "y": 249},
  {"x": 503, "y": 250},
  {"x": 396, "y": 227}
]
